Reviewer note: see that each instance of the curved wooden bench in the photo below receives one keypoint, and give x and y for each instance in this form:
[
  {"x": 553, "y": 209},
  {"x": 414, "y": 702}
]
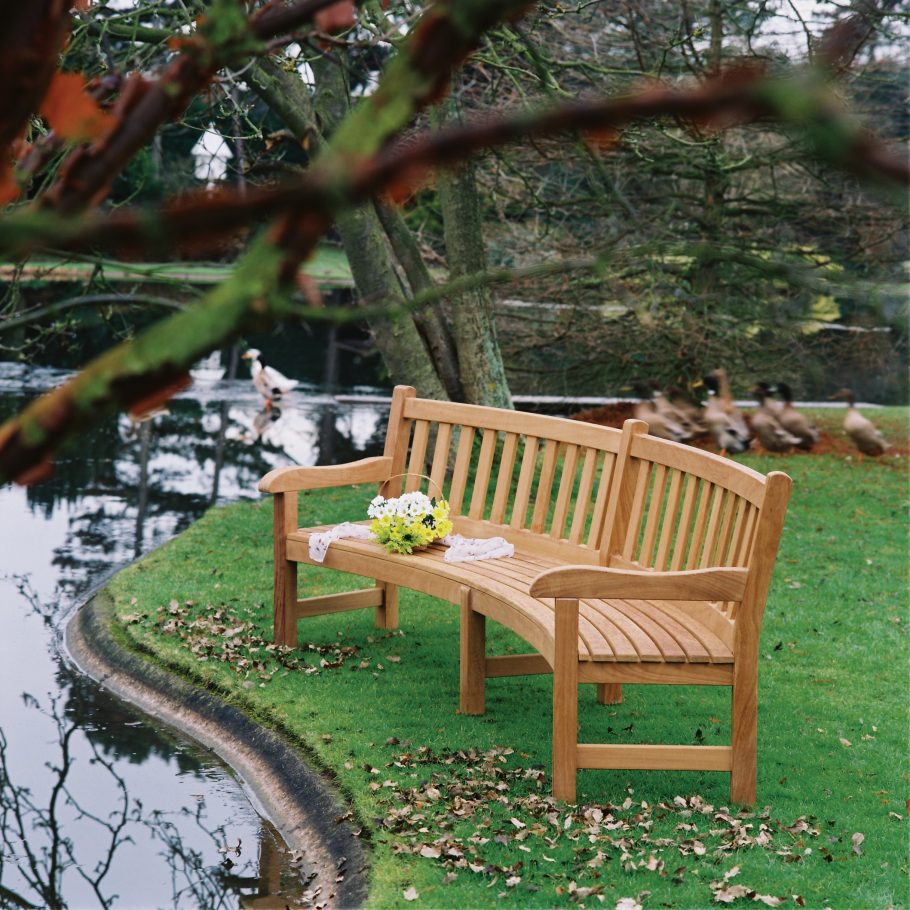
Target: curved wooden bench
[{"x": 636, "y": 561}]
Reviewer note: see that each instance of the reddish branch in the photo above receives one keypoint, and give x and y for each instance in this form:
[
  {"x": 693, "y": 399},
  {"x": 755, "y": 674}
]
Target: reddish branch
[
  {"x": 731, "y": 98},
  {"x": 86, "y": 175},
  {"x": 30, "y": 41},
  {"x": 143, "y": 372}
]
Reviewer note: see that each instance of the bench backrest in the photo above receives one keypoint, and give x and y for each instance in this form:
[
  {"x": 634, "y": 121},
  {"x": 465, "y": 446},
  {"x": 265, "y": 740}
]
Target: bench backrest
[
  {"x": 676, "y": 507},
  {"x": 543, "y": 481},
  {"x": 589, "y": 494}
]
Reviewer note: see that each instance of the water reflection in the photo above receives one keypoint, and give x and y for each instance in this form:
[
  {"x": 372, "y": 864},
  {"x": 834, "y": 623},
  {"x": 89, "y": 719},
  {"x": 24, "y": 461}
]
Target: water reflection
[
  {"x": 98, "y": 807},
  {"x": 67, "y": 840}
]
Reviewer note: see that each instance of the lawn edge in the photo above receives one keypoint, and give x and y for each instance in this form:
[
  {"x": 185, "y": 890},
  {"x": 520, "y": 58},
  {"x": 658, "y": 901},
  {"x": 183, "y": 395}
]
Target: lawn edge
[{"x": 297, "y": 799}]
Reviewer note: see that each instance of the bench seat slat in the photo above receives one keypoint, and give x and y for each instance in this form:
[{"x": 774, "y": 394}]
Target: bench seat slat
[
  {"x": 609, "y": 630},
  {"x": 650, "y": 640}
]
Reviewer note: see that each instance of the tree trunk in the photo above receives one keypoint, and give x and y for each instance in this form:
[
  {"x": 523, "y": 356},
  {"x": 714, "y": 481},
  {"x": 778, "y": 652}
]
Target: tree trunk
[
  {"x": 396, "y": 336},
  {"x": 483, "y": 373},
  {"x": 431, "y": 321}
]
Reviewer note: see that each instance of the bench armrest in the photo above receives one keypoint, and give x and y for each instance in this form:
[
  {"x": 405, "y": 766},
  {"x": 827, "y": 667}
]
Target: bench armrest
[
  {"x": 288, "y": 480},
  {"x": 602, "y": 582}
]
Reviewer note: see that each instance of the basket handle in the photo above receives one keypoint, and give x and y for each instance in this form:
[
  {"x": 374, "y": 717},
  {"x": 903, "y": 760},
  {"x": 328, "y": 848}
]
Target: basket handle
[{"x": 415, "y": 474}]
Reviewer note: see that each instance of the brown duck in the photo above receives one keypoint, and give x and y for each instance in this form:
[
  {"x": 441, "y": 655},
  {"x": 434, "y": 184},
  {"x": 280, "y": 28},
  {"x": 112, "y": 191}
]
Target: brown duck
[
  {"x": 865, "y": 434},
  {"x": 767, "y": 427},
  {"x": 793, "y": 421}
]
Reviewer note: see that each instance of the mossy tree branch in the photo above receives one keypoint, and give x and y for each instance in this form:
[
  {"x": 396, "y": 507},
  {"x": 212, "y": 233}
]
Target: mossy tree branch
[{"x": 142, "y": 372}]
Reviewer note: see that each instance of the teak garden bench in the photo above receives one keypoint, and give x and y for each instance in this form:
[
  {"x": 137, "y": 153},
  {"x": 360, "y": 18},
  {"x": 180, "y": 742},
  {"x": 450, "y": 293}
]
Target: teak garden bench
[{"x": 637, "y": 560}]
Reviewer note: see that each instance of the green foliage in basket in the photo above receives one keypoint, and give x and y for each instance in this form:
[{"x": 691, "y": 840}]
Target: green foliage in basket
[{"x": 408, "y": 521}]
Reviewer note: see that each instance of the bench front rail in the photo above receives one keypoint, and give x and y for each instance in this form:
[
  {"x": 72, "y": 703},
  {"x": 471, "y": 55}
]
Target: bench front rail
[{"x": 637, "y": 560}]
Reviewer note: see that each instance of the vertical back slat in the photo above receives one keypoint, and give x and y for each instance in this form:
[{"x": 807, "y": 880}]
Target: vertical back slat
[
  {"x": 745, "y": 544},
  {"x": 564, "y": 496},
  {"x": 504, "y": 478},
  {"x": 655, "y": 511},
  {"x": 637, "y": 509},
  {"x": 482, "y": 474},
  {"x": 440, "y": 459},
  {"x": 685, "y": 523},
  {"x": 396, "y": 440},
  {"x": 670, "y": 518},
  {"x": 600, "y": 504},
  {"x": 544, "y": 486},
  {"x": 720, "y": 496},
  {"x": 723, "y": 535},
  {"x": 698, "y": 527},
  {"x": 729, "y": 542},
  {"x": 417, "y": 462},
  {"x": 461, "y": 469},
  {"x": 583, "y": 499},
  {"x": 736, "y": 536},
  {"x": 525, "y": 480},
  {"x": 622, "y": 492}
]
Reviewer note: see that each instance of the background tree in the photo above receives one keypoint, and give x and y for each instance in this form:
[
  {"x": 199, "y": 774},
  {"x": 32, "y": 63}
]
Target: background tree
[{"x": 113, "y": 120}]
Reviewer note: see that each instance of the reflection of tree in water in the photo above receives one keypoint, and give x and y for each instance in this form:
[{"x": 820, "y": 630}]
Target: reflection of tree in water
[
  {"x": 38, "y": 839},
  {"x": 33, "y": 834}
]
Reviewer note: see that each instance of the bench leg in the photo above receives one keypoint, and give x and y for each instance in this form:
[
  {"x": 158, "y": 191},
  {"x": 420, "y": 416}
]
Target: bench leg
[
  {"x": 285, "y": 572},
  {"x": 473, "y": 650},
  {"x": 609, "y": 693},
  {"x": 387, "y": 611},
  {"x": 744, "y": 741},
  {"x": 565, "y": 700}
]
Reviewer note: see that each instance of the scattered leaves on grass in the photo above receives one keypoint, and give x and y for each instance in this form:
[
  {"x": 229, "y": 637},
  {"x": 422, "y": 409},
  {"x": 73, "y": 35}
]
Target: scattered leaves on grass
[
  {"x": 218, "y": 633},
  {"x": 471, "y": 811}
]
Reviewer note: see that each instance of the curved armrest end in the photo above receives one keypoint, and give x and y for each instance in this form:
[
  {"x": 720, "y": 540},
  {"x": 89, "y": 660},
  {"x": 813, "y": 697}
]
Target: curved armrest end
[
  {"x": 643, "y": 584},
  {"x": 291, "y": 479}
]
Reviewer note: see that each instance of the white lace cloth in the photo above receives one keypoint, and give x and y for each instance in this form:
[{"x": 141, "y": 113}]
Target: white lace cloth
[
  {"x": 319, "y": 543},
  {"x": 460, "y": 549},
  {"x": 466, "y": 549}
]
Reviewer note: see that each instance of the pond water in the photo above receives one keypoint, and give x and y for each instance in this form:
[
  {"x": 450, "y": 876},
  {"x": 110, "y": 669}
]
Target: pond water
[{"x": 100, "y": 806}]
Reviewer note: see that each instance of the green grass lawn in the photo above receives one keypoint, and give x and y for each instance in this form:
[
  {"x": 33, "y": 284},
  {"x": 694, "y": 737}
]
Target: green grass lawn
[{"x": 455, "y": 809}]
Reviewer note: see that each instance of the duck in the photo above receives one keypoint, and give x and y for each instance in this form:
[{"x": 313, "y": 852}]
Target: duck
[
  {"x": 691, "y": 413},
  {"x": 660, "y": 425},
  {"x": 793, "y": 421},
  {"x": 723, "y": 419},
  {"x": 774, "y": 406},
  {"x": 670, "y": 410},
  {"x": 268, "y": 381},
  {"x": 766, "y": 425},
  {"x": 865, "y": 434}
]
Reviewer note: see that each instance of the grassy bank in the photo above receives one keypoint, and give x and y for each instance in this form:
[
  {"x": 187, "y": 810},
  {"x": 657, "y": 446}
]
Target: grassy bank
[{"x": 455, "y": 808}]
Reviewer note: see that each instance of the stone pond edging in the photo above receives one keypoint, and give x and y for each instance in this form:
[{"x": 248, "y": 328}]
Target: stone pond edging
[{"x": 294, "y": 795}]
